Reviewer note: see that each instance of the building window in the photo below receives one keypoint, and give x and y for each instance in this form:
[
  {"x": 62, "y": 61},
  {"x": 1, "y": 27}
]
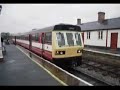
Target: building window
[
  {"x": 100, "y": 34},
  {"x": 88, "y": 35}
]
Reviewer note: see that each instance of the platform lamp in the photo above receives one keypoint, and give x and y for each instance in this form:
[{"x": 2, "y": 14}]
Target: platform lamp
[{"x": 0, "y": 8}]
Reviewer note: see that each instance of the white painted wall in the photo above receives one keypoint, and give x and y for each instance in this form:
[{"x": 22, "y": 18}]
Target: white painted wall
[
  {"x": 109, "y": 37},
  {"x": 94, "y": 41}
]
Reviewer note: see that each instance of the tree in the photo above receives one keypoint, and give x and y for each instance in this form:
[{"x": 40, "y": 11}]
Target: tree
[{"x": 5, "y": 35}]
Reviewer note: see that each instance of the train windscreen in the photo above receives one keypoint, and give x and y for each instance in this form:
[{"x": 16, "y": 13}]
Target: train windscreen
[
  {"x": 60, "y": 39},
  {"x": 78, "y": 39},
  {"x": 68, "y": 38}
]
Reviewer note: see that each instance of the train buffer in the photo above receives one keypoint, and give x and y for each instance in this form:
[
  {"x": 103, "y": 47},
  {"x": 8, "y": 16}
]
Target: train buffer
[{"x": 18, "y": 69}]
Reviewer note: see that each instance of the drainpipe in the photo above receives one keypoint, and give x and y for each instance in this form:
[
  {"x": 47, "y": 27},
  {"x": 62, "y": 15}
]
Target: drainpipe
[{"x": 106, "y": 38}]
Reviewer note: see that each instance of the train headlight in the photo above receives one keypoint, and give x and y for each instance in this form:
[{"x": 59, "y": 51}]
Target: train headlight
[
  {"x": 57, "y": 52},
  {"x": 79, "y": 51},
  {"x": 60, "y": 52}
]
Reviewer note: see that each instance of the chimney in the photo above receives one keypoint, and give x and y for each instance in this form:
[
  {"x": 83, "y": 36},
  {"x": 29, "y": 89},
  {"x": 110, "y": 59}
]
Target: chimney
[
  {"x": 101, "y": 17},
  {"x": 78, "y": 21}
]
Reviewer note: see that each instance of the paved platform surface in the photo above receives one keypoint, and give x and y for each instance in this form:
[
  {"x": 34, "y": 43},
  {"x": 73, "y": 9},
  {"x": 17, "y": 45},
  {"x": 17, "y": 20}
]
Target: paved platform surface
[
  {"x": 103, "y": 51},
  {"x": 18, "y": 69}
]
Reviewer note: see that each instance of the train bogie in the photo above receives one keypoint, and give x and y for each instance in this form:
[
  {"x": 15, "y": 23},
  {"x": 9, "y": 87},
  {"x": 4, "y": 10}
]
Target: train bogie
[{"x": 68, "y": 62}]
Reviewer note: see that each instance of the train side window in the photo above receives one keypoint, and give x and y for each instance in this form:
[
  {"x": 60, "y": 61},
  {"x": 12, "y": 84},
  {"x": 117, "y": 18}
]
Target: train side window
[
  {"x": 22, "y": 37},
  {"x": 43, "y": 38},
  {"x": 48, "y": 37},
  {"x": 35, "y": 37},
  {"x": 27, "y": 37}
]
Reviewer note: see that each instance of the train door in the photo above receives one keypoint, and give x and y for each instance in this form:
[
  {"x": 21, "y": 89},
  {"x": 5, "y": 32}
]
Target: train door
[
  {"x": 42, "y": 42},
  {"x": 15, "y": 40},
  {"x": 30, "y": 42}
]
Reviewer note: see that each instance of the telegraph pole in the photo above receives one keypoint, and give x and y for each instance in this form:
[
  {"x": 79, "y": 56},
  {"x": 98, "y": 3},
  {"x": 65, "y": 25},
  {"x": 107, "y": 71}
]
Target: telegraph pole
[{"x": 0, "y": 8}]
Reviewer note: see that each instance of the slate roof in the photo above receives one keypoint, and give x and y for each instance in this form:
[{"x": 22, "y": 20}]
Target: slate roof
[{"x": 113, "y": 23}]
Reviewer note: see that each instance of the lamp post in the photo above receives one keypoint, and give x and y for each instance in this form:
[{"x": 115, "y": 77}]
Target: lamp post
[{"x": 0, "y": 8}]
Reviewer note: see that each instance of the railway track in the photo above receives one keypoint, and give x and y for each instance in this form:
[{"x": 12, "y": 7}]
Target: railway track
[
  {"x": 110, "y": 70},
  {"x": 107, "y": 74},
  {"x": 86, "y": 77}
]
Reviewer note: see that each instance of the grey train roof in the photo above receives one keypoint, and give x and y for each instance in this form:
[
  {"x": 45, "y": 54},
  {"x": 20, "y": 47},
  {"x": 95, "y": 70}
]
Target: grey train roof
[
  {"x": 40, "y": 30},
  {"x": 50, "y": 28},
  {"x": 113, "y": 23}
]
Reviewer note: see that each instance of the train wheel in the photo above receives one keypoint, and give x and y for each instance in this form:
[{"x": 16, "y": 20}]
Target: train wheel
[
  {"x": 73, "y": 63},
  {"x": 79, "y": 61}
]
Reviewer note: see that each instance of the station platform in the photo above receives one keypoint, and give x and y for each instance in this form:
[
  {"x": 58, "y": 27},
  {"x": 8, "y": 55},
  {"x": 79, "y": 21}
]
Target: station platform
[
  {"x": 103, "y": 51},
  {"x": 18, "y": 70}
]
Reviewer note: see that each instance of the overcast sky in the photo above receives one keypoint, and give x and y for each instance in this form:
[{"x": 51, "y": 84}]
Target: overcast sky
[{"x": 19, "y": 18}]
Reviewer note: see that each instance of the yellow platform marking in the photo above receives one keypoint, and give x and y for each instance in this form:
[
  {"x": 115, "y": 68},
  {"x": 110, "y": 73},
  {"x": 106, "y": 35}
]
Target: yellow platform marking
[{"x": 44, "y": 68}]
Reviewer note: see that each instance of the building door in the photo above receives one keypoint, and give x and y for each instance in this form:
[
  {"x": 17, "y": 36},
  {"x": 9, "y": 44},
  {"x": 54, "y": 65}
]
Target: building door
[{"x": 114, "y": 38}]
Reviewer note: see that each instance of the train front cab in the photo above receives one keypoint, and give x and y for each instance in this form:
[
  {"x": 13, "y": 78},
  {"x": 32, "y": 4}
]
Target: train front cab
[{"x": 67, "y": 48}]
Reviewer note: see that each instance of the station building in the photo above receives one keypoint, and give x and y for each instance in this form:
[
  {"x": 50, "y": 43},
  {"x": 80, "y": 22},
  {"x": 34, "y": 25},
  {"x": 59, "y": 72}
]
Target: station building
[{"x": 104, "y": 33}]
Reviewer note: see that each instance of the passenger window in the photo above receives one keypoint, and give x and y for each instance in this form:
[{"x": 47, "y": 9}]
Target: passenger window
[
  {"x": 35, "y": 37},
  {"x": 48, "y": 37}
]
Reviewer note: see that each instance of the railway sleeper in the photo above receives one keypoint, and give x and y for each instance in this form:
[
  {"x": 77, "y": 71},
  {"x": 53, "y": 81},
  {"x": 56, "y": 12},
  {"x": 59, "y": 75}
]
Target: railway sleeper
[
  {"x": 113, "y": 75},
  {"x": 105, "y": 73},
  {"x": 90, "y": 68},
  {"x": 97, "y": 70},
  {"x": 83, "y": 66}
]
